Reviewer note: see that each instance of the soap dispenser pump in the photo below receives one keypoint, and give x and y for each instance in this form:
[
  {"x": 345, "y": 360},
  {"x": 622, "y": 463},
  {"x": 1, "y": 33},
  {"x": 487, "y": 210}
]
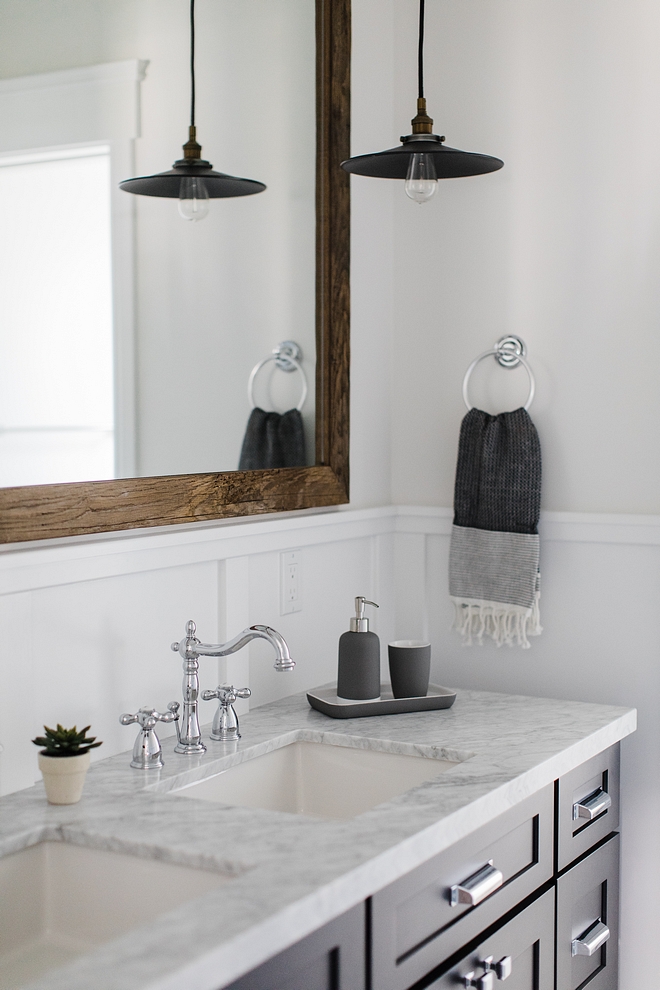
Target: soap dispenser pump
[{"x": 358, "y": 675}]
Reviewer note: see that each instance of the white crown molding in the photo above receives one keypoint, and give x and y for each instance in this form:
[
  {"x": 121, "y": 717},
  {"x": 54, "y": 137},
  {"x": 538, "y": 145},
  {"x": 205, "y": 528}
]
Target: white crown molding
[
  {"x": 71, "y": 106},
  {"x": 129, "y": 70},
  {"x": 30, "y": 566}
]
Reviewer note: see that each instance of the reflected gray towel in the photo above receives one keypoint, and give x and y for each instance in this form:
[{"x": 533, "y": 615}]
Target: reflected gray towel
[
  {"x": 273, "y": 440},
  {"x": 494, "y": 553}
]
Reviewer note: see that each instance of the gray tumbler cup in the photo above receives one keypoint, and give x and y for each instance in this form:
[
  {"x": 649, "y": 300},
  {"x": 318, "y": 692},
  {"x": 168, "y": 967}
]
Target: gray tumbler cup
[{"x": 410, "y": 665}]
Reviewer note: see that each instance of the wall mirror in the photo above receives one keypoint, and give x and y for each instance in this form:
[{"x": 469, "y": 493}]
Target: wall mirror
[{"x": 127, "y": 335}]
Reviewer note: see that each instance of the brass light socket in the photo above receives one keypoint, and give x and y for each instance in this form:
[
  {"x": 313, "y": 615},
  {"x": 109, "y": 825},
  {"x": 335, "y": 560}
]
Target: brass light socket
[
  {"x": 422, "y": 123},
  {"x": 191, "y": 149}
]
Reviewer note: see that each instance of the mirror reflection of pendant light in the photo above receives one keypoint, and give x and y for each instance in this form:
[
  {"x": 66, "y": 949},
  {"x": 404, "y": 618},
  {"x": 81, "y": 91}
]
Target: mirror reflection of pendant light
[
  {"x": 192, "y": 180},
  {"x": 422, "y": 157}
]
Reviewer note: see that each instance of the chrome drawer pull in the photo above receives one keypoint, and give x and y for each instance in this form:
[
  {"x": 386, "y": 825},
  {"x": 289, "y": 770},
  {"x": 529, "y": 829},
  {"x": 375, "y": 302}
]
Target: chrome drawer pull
[
  {"x": 503, "y": 967},
  {"x": 477, "y": 887},
  {"x": 501, "y": 970},
  {"x": 485, "y": 982},
  {"x": 592, "y": 806},
  {"x": 590, "y": 941}
]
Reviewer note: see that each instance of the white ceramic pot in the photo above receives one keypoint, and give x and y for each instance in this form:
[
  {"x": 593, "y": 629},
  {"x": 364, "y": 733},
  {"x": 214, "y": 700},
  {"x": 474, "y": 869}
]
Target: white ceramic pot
[{"x": 64, "y": 777}]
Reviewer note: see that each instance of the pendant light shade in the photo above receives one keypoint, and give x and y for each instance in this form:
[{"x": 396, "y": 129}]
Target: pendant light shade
[
  {"x": 449, "y": 163},
  {"x": 218, "y": 185},
  {"x": 422, "y": 157},
  {"x": 192, "y": 180}
]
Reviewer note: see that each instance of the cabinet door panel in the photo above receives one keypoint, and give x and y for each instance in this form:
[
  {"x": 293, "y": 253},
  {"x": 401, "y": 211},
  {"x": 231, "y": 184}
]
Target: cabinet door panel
[
  {"x": 420, "y": 915},
  {"x": 416, "y": 926},
  {"x": 588, "y": 894},
  {"x": 525, "y": 946},
  {"x": 592, "y": 789},
  {"x": 332, "y": 958}
]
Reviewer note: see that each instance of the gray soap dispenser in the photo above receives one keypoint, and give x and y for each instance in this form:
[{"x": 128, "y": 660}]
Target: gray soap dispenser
[{"x": 358, "y": 675}]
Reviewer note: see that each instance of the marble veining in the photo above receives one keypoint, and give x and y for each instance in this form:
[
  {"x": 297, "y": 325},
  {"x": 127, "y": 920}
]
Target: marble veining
[{"x": 290, "y": 874}]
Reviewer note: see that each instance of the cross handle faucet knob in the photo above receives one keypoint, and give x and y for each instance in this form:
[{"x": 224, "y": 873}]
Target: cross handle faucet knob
[
  {"x": 147, "y": 751},
  {"x": 225, "y": 726},
  {"x": 147, "y": 718},
  {"x": 226, "y": 694}
]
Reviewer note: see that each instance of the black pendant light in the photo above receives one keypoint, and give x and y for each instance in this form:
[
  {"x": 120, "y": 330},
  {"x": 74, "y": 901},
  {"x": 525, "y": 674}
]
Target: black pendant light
[
  {"x": 192, "y": 180},
  {"x": 422, "y": 158}
]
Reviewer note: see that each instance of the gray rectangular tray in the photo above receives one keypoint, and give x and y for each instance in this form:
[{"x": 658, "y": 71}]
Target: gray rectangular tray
[{"x": 324, "y": 699}]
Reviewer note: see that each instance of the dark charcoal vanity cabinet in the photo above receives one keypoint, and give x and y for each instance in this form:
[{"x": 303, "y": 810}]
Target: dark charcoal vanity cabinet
[
  {"x": 332, "y": 958},
  {"x": 529, "y": 900}
]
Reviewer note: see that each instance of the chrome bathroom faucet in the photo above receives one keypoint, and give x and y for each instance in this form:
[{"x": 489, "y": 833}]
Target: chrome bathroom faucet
[{"x": 190, "y": 649}]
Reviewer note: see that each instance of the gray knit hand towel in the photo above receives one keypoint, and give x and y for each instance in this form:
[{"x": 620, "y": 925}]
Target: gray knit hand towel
[
  {"x": 494, "y": 553},
  {"x": 273, "y": 440}
]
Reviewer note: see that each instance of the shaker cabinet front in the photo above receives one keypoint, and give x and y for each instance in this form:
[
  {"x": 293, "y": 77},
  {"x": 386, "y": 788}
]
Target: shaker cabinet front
[
  {"x": 332, "y": 958},
  {"x": 426, "y": 917},
  {"x": 520, "y": 952},
  {"x": 587, "y": 805},
  {"x": 588, "y": 921}
]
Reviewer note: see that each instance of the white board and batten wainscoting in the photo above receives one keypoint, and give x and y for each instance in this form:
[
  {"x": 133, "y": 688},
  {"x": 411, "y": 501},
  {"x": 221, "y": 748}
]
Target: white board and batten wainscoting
[{"x": 86, "y": 627}]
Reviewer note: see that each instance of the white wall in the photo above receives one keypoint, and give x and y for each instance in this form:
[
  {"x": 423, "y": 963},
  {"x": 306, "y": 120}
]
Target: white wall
[
  {"x": 372, "y": 258},
  {"x": 561, "y": 246}
]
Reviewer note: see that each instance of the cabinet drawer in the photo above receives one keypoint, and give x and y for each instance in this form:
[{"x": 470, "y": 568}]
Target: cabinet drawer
[
  {"x": 520, "y": 952},
  {"x": 588, "y": 805},
  {"x": 333, "y": 958},
  {"x": 587, "y": 909},
  {"x": 426, "y": 916}
]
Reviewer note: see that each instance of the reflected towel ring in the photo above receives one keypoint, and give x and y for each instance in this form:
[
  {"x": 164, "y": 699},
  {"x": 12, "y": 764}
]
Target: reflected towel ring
[
  {"x": 509, "y": 352},
  {"x": 286, "y": 356}
]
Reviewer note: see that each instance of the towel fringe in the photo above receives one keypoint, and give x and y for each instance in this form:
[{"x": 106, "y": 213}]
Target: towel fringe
[{"x": 504, "y": 623}]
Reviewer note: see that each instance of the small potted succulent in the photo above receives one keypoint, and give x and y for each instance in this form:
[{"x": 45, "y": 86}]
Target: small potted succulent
[{"x": 64, "y": 761}]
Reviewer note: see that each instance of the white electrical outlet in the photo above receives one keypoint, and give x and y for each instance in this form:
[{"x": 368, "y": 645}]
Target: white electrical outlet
[{"x": 290, "y": 581}]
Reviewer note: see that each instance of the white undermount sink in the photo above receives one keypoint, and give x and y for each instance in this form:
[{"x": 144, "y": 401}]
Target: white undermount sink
[
  {"x": 317, "y": 779},
  {"x": 59, "y": 901}
]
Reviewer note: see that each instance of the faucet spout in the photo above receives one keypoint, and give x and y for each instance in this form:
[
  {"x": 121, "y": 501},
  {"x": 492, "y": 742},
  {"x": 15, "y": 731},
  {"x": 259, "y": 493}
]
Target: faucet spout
[
  {"x": 283, "y": 661},
  {"x": 190, "y": 649}
]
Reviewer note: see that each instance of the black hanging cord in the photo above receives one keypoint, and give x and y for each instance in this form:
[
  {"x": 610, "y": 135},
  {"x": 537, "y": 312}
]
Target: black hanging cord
[
  {"x": 420, "y": 51},
  {"x": 192, "y": 62}
]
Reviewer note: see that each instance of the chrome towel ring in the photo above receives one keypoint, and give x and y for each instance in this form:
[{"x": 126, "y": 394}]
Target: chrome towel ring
[
  {"x": 287, "y": 357},
  {"x": 509, "y": 352}
]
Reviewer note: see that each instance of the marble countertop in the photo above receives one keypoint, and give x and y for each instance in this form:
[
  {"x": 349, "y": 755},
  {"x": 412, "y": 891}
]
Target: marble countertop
[{"x": 290, "y": 873}]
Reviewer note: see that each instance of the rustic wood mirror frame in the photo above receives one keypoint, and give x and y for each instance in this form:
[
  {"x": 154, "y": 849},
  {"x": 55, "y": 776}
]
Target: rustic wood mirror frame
[{"x": 39, "y": 512}]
